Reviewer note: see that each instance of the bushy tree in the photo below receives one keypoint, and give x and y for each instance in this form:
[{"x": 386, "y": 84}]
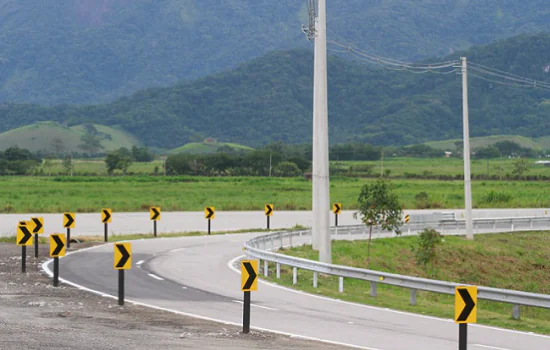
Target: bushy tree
[
  {"x": 287, "y": 169},
  {"x": 120, "y": 159},
  {"x": 142, "y": 154},
  {"x": 379, "y": 206}
]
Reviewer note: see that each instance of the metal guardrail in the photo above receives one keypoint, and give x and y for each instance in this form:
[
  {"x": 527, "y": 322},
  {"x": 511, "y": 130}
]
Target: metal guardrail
[{"x": 263, "y": 247}]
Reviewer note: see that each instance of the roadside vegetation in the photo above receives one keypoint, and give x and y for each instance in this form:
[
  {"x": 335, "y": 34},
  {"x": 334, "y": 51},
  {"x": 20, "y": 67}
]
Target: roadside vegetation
[{"x": 517, "y": 261}]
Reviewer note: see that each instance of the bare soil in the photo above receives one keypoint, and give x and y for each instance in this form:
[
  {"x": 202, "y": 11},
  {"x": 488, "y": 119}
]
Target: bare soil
[{"x": 36, "y": 315}]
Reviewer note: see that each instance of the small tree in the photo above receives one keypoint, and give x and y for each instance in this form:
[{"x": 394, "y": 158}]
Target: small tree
[
  {"x": 90, "y": 143},
  {"x": 47, "y": 164},
  {"x": 520, "y": 167},
  {"x": 426, "y": 248},
  {"x": 378, "y": 205},
  {"x": 67, "y": 163}
]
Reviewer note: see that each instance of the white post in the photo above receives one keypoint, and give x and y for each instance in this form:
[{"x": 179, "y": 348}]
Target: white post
[
  {"x": 321, "y": 209},
  {"x": 341, "y": 284},
  {"x": 466, "y": 136},
  {"x": 315, "y": 152},
  {"x": 294, "y": 276}
]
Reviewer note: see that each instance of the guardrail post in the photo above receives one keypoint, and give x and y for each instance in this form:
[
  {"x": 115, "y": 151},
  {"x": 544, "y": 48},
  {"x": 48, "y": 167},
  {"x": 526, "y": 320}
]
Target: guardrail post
[
  {"x": 494, "y": 224},
  {"x": 341, "y": 284},
  {"x": 294, "y": 276},
  {"x": 281, "y": 237},
  {"x": 266, "y": 268},
  {"x": 457, "y": 229},
  {"x": 278, "y": 268},
  {"x": 315, "y": 280},
  {"x": 512, "y": 225},
  {"x": 373, "y": 289},
  {"x": 413, "y": 297},
  {"x": 515, "y": 312},
  {"x": 409, "y": 231},
  {"x": 530, "y": 223},
  {"x": 290, "y": 239}
]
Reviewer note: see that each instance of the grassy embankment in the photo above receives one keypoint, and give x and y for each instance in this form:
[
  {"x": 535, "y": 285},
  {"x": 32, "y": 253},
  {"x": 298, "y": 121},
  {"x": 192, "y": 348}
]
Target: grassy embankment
[
  {"x": 516, "y": 261},
  {"x": 133, "y": 193},
  {"x": 90, "y": 194}
]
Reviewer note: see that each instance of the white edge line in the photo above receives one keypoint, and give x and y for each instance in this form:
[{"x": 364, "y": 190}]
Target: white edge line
[
  {"x": 156, "y": 277},
  {"x": 260, "y": 306},
  {"x": 231, "y": 263},
  {"x": 140, "y": 262},
  {"x": 47, "y": 270},
  {"x": 489, "y": 347}
]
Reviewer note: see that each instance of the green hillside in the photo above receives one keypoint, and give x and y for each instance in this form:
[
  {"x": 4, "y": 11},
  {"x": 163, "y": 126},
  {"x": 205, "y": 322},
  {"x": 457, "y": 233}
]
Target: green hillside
[
  {"x": 542, "y": 143},
  {"x": 41, "y": 136},
  {"x": 93, "y": 51},
  {"x": 270, "y": 99},
  {"x": 206, "y": 148}
]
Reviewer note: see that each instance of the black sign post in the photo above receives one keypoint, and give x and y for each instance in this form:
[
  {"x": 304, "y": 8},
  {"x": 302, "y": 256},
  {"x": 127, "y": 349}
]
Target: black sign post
[{"x": 55, "y": 272}]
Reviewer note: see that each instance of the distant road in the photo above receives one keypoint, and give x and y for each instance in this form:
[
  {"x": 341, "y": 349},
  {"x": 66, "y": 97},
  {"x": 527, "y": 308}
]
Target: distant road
[{"x": 128, "y": 223}]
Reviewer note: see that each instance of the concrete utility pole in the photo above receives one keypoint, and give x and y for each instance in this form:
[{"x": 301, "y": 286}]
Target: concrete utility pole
[
  {"x": 321, "y": 189},
  {"x": 466, "y": 135}
]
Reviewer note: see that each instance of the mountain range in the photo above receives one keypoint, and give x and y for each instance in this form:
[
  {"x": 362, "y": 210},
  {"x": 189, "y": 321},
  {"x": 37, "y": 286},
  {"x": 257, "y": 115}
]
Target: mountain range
[
  {"x": 95, "y": 51},
  {"x": 270, "y": 98}
]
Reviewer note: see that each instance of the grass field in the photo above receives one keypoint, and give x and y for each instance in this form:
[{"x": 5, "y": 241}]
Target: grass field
[
  {"x": 138, "y": 193},
  {"x": 516, "y": 261},
  {"x": 39, "y": 137},
  {"x": 422, "y": 167},
  {"x": 205, "y": 148},
  {"x": 541, "y": 143}
]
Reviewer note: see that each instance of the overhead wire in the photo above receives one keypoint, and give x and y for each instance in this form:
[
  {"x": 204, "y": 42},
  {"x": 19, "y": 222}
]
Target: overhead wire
[{"x": 479, "y": 71}]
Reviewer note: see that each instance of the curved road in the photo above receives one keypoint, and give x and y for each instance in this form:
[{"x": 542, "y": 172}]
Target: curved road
[{"x": 195, "y": 275}]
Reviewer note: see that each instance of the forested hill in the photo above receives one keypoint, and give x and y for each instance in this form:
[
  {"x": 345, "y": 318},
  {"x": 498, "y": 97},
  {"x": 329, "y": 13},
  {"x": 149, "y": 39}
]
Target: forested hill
[
  {"x": 270, "y": 98},
  {"x": 92, "y": 51}
]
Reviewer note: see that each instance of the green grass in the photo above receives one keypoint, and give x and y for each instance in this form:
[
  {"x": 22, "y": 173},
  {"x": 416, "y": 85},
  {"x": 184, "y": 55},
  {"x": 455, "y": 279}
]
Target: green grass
[
  {"x": 186, "y": 193},
  {"x": 39, "y": 137},
  {"x": 422, "y": 167},
  {"x": 516, "y": 261},
  {"x": 205, "y": 148}
]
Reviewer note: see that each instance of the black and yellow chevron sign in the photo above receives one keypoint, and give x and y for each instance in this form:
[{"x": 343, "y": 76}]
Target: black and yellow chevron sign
[
  {"x": 57, "y": 245},
  {"x": 154, "y": 213},
  {"x": 268, "y": 210},
  {"x": 249, "y": 275},
  {"x": 106, "y": 216},
  {"x": 209, "y": 212},
  {"x": 466, "y": 304},
  {"x": 24, "y": 235},
  {"x": 69, "y": 220}
]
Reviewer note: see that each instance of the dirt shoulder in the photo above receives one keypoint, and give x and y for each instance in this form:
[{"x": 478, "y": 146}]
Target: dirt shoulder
[{"x": 35, "y": 315}]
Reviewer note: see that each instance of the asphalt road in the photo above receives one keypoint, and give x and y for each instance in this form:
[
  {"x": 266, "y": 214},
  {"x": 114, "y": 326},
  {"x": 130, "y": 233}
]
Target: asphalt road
[
  {"x": 127, "y": 223},
  {"x": 194, "y": 275}
]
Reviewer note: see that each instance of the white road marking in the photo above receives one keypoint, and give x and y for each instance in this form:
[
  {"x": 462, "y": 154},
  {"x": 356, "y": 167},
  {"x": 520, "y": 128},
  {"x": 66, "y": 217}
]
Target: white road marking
[
  {"x": 156, "y": 277},
  {"x": 140, "y": 262},
  {"x": 489, "y": 347},
  {"x": 184, "y": 287},
  {"x": 260, "y": 306}
]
